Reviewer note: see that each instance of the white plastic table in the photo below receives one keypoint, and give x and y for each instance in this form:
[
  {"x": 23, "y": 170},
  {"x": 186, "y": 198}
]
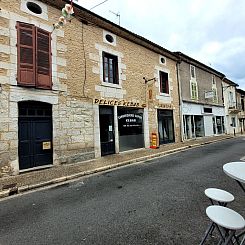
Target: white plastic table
[{"x": 236, "y": 170}]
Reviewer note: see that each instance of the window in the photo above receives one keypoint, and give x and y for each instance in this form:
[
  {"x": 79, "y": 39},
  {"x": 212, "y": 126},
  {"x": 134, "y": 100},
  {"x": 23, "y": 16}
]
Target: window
[
  {"x": 110, "y": 68},
  {"x": 164, "y": 87},
  {"x": 162, "y": 60},
  {"x": 193, "y": 71},
  {"x": 207, "y": 110},
  {"x": 231, "y": 100},
  {"x": 35, "y": 8},
  {"x": 215, "y": 97},
  {"x": 109, "y": 38},
  {"x": 233, "y": 122},
  {"x": 194, "y": 92},
  {"x": 34, "y": 56},
  {"x": 242, "y": 102}
]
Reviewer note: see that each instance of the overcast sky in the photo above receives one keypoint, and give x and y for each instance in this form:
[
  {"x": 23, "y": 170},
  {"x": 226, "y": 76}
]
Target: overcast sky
[{"x": 211, "y": 31}]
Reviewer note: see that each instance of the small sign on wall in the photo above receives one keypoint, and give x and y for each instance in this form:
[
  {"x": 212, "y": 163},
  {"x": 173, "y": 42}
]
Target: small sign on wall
[{"x": 46, "y": 145}]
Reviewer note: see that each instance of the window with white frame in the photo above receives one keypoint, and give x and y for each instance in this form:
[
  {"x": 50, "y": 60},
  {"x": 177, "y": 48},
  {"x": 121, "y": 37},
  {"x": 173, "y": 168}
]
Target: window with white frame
[{"x": 194, "y": 90}]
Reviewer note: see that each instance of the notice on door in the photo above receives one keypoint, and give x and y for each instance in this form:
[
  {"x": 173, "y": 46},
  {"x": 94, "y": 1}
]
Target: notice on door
[{"x": 47, "y": 145}]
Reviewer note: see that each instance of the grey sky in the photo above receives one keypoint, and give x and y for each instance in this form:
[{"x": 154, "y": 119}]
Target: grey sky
[{"x": 211, "y": 31}]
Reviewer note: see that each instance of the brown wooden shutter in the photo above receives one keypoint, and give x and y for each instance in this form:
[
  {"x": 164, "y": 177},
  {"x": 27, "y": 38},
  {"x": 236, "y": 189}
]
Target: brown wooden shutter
[
  {"x": 26, "y": 54},
  {"x": 43, "y": 59}
]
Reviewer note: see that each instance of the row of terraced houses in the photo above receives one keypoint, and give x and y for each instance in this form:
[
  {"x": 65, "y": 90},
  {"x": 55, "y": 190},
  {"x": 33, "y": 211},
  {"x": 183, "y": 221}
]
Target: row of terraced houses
[{"x": 94, "y": 88}]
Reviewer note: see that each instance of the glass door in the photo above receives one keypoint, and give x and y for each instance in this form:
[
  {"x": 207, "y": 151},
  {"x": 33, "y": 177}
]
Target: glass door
[
  {"x": 107, "y": 138},
  {"x": 165, "y": 126}
]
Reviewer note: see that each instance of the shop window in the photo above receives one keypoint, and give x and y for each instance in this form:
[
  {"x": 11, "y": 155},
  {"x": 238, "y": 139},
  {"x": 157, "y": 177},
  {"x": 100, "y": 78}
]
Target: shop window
[
  {"x": 199, "y": 126},
  {"x": 194, "y": 91},
  {"x": 110, "y": 68},
  {"x": 34, "y": 56},
  {"x": 130, "y": 127},
  {"x": 220, "y": 126},
  {"x": 164, "y": 86},
  {"x": 165, "y": 126}
]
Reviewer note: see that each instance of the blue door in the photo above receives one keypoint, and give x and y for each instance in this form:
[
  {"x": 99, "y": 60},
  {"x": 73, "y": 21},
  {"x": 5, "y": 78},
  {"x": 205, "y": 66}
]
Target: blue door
[{"x": 35, "y": 134}]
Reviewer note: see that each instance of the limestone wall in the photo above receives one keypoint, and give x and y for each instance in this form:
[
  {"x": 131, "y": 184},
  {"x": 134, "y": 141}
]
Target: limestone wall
[{"x": 77, "y": 76}]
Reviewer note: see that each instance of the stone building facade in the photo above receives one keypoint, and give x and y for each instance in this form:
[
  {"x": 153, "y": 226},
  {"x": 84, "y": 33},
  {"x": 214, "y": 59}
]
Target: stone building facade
[
  {"x": 101, "y": 90},
  {"x": 202, "y": 109}
]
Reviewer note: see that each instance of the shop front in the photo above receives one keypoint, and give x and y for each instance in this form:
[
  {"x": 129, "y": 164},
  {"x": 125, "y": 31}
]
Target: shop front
[
  {"x": 165, "y": 126},
  {"x": 202, "y": 120},
  {"x": 130, "y": 128},
  {"x": 121, "y": 126}
]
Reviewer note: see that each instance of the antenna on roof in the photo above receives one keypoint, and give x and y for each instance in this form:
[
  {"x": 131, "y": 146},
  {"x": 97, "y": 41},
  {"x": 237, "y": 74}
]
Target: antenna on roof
[
  {"x": 98, "y": 4},
  {"x": 117, "y": 15}
]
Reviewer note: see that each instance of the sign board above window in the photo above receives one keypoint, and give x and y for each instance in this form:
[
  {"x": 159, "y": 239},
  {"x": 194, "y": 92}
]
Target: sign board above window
[{"x": 209, "y": 94}]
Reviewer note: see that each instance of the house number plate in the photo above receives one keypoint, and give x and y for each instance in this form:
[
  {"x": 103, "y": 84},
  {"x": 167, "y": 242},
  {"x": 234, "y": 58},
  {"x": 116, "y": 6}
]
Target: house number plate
[{"x": 47, "y": 145}]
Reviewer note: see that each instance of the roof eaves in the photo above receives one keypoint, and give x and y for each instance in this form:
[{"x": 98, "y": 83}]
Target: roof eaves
[
  {"x": 188, "y": 59},
  {"x": 84, "y": 14}
]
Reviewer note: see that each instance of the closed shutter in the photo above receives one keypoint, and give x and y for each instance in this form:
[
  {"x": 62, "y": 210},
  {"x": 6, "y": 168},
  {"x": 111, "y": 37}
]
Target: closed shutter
[
  {"x": 43, "y": 59},
  {"x": 26, "y": 54}
]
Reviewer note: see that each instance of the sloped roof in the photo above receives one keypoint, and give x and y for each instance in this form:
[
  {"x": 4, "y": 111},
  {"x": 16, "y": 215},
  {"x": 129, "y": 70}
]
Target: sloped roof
[
  {"x": 87, "y": 17},
  {"x": 190, "y": 60},
  {"x": 228, "y": 81}
]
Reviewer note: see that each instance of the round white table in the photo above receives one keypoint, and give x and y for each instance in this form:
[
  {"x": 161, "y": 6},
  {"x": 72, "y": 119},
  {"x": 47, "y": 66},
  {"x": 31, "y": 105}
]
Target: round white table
[{"x": 235, "y": 170}]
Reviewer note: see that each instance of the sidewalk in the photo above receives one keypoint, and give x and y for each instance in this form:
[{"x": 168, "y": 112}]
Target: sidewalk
[{"x": 40, "y": 178}]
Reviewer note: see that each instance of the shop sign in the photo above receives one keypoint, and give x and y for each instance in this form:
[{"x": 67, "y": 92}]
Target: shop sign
[
  {"x": 130, "y": 120},
  {"x": 118, "y": 103},
  {"x": 165, "y": 106},
  {"x": 209, "y": 94}
]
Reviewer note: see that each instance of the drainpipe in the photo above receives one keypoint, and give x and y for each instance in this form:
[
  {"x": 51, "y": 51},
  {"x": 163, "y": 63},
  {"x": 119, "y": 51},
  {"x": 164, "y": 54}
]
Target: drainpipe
[{"x": 180, "y": 102}]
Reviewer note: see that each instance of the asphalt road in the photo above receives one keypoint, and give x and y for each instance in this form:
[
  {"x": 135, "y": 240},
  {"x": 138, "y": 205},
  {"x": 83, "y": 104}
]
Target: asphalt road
[{"x": 157, "y": 202}]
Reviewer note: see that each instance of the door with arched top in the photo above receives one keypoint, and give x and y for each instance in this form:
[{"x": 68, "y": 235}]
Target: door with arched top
[{"x": 35, "y": 134}]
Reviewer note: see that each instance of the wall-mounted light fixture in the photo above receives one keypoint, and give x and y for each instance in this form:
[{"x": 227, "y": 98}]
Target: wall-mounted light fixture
[{"x": 148, "y": 80}]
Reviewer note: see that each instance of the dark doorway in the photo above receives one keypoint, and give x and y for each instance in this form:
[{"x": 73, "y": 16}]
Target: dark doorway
[
  {"x": 165, "y": 126},
  {"x": 35, "y": 134},
  {"x": 107, "y": 138}
]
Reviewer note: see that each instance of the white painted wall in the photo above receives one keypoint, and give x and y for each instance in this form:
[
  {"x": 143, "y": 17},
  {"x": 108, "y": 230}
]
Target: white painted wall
[{"x": 208, "y": 125}]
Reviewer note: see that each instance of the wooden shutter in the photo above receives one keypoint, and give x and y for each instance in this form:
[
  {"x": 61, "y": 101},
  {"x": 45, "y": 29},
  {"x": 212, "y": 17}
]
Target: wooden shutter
[
  {"x": 26, "y": 54},
  {"x": 43, "y": 59}
]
